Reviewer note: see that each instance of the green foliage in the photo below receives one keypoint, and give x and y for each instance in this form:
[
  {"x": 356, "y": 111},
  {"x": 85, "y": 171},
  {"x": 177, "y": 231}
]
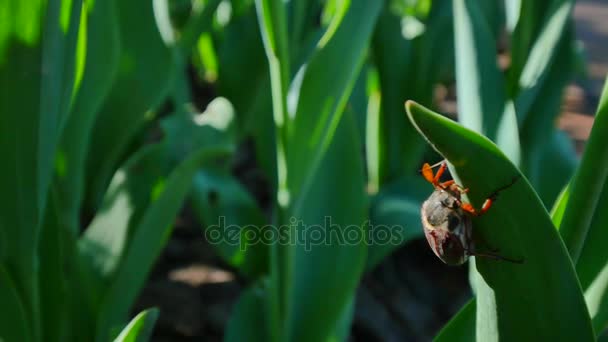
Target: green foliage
[{"x": 102, "y": 144}]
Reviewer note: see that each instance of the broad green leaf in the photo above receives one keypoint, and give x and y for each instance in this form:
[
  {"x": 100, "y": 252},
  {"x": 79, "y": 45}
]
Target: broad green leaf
[
  {"x": 541, "y": 56},
  {"x": 329, "y": 227},
  {"x": 234, "y": 224},
  {"x": 394, "y": 217},
  {"x": 531, "y": 16},
  {"x": 547, "y": 155},
  {"x": 481, "y": 92},
  {"x": 148, "y": 239},
  {"x": 507, "y": 136},
  {"x": 587, "y": 184},
  {"x": 107, "y": 237},
  {"x": 37, "y": 76},
  {"x": 538, "y": 299},
  {"x": 143, "y": 177},
  {"x": 461, "y": 327},
  {"x": 397, "y": 145},
  {"x": 248, "y": 321},
  {"x": 13, "y": 323},
  {"x": 140, "y": 328},
  {"x": 101, "y": 63},
  {"x": 585, "y": 219},
  {"x": 559, "y": 207},
  {"x": 592, "y": 265},
  {"x": 140, "y": 84},
  {"x": 322, "y": 95},
  {"x": 54, "y": 257}
]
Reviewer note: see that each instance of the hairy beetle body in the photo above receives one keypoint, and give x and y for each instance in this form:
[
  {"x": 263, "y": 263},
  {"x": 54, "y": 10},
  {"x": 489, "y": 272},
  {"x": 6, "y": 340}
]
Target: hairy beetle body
[{"x": 447, "y": 228}]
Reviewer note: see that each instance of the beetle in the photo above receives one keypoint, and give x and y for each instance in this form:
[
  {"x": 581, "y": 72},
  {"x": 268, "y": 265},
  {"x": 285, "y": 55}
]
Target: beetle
[{"x": 446, "y": 219}]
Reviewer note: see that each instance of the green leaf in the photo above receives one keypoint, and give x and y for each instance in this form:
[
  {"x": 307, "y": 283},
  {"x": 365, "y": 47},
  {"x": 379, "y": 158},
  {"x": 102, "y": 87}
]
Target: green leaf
[
  {"x": 248, "y": 320},
  {"x": 330, "y": 226},
  {"x": 559, "y": 207},
  {"x": 397, "y": 147},
  {"x": 107, "y": 237},
  {"x": 13, "y": 323},
  {"x": 37, "y": 77},
  {"x": 541, "y": 56},
  {"x": 507, "y": 137},
  {"x": 101, "y": 64},
  {"x": 481, "y": 92},
  {"x": 322, "y": 95},
  {"x": 140, "y": 85},
  {"x": 234, "y": 223},
  {"x": 538, "y": 299},
  {"x": 592, "y": 265},
  {"x": 585, "y": 218},
  {"x": 140, "y": 328},
  {"x": 395, "y": 217},
  {"x": 461, "y": 327},
  {"x": 587, "y": 184},
  {"x": 148, "y": 239}
]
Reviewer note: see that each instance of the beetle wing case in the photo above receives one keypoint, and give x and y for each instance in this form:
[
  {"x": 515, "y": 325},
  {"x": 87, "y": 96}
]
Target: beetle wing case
[{"x": 447, "y": 228}]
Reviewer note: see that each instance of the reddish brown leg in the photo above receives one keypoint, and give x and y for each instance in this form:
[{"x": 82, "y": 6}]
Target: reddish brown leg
[
  {"x": 488, "y": 202},
  {"x": 446, "y": 183},
  {"x": 427, "y": 173},
  {"x": 439, "y": 173}
]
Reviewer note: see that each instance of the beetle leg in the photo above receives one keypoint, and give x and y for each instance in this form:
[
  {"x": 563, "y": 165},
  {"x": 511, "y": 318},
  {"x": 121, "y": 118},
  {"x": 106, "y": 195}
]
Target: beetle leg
[
  {"x": 469, "y": 209},
  {"x": 446, "y": 183},
  {"x": 439, "y": 172},
  {"x": 488, "y": 202},
  {"x": 427, "y": 173}
]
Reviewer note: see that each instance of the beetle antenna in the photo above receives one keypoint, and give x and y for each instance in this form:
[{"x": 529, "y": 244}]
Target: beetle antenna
[
  {"x": 498, "y": 257},
  {"x": 513, "y": 181}
]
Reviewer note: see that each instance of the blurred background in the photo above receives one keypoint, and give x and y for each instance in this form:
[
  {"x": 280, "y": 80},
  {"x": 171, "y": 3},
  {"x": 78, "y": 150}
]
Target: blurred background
[
  {"x": 410, "y": 294},
  {"x": 139, "y": 127}
]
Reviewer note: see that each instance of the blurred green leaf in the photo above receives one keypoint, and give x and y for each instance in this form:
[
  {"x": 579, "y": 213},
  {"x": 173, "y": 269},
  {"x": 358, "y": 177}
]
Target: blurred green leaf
[
  {"x": 335, "y": 209},
  {"x": 13, "y": 323},
  {"x": 584, "y": 222},
  {"x": 101, "y": 63},
  {"x": 559, "y": 207},
  {"x": 235, "y": 225},
  {"x": 38, "y": 69},
  {"x": 461, "y": 327},
  {"x": 140, "y": 328},
  {"x": 587, "y": 184},
  {"x": 538, "y": 299},
  {"x": 481, "y": 93},
  {"x": 148, "y": 239},
  {"x": 322, "y": 95},
  {"x": 248, "y": 321},
  {"x": 323, "y": 154},
  {"x": 140, "y": 85},
  {"x": 541, "y": 56},
  {"x": 507, "y": 136},
  {"x": 395, "y": 211},
  {"x": 105, "y": 240},
  {"x": 397, "y": 146}
]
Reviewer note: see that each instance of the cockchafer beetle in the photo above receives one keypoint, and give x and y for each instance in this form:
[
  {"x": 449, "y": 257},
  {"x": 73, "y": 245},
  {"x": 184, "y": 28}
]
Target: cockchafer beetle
[{"x": 446, "y": 219}]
